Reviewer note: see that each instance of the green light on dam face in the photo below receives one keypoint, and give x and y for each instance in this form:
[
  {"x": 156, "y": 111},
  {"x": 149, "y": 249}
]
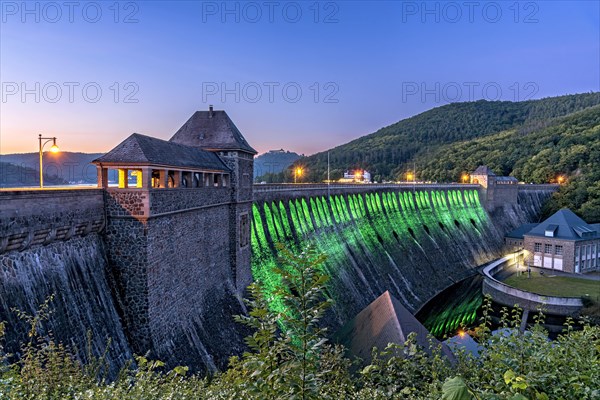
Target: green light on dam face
[
  {"x": 315, "y": 212},
  {"x": 365, "y": 227},
  {"x": 285, "y": 220}
]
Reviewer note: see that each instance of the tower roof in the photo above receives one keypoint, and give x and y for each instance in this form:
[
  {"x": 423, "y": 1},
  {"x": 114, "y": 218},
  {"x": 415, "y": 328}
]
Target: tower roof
[
  {"x": 140, "y": 149},
  {"x": 564, "y": 224},
  {"x": 483, "y": 170},
  {"x": 212, "y": 130},
  {"x": 383, "y": 321}
]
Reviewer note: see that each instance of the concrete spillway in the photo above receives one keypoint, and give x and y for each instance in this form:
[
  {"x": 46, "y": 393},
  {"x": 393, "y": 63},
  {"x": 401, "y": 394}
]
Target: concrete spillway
[{"x": 413, "y": 243}]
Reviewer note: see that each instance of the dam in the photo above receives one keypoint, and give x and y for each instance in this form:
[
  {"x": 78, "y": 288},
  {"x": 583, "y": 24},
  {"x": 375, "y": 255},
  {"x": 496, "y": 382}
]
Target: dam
[
  {"x": 412, "y": 242},
  {"x": 159, "y": 263}
]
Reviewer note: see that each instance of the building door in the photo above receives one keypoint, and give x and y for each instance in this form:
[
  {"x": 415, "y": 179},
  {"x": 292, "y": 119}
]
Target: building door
[{"x": 558, "y": 264}]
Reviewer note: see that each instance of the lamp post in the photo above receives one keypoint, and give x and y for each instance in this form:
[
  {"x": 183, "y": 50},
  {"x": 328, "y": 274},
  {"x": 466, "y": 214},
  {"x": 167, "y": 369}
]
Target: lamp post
[
  {"x": 53, "y": 149},
  {"x": 297, "y": 173},
  {"x": 328, "y": 176},
  {"x": 465, "y": 178}
]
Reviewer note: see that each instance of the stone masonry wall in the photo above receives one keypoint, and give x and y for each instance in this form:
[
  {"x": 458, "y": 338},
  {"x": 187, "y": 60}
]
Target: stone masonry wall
[
  {"x": 172, "y": 274},
  {"x": 126, "y": 203},
  {"x": 29, "y": 218},
  {"x": 191, "y": 292},
  {"x": 171, "y": 200},
  {"x": 127, "y": 252}
]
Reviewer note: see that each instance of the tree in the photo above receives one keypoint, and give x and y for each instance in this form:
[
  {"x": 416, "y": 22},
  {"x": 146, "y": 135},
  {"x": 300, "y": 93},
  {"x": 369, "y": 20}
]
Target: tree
[{"x": 289, "y": 355}]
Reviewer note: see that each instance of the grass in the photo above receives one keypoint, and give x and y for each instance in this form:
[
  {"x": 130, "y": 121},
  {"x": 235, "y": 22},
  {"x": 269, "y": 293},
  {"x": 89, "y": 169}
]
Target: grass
[{"x": 556, "y": 285}]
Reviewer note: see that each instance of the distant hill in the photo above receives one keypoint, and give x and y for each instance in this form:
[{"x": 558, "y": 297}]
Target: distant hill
[
  {"x": 274, "y": 162},
  {"x": 12, "y": 175},
  {"x": 535, "y": 141},
  {"x": 66, "y": 166},
  {"x": 390, "y": 152}
]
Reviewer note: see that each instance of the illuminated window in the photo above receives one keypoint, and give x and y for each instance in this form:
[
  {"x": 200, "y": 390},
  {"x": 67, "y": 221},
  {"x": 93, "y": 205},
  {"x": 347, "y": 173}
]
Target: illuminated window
[
  {"x": 558, "y": 250},
  {"x": 547, "y": 249},
  {"x": 538, "y": 248}
]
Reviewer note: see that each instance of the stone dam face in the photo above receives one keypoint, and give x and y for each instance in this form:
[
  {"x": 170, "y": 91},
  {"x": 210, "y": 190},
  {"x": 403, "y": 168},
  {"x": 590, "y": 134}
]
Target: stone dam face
[
  {"x": 414, "y": 243},
  {"x": 51, "y": 246}
]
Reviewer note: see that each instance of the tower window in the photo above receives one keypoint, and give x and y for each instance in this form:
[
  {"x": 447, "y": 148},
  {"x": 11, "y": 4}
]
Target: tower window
[{"x": 244, "y": 230}]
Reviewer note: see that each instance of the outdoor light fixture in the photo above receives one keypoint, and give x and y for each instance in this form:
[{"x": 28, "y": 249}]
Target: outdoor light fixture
[
  {"x": 297, "y": 174},
  {"x": 53, "y": 149}
]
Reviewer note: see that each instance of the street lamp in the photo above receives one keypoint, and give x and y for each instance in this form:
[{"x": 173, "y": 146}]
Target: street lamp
[
  {"x": 465, "y": 178},
  {"x": 53, "y": 149},
  {"x": 409, "y": 176},
  {"x": 358, "y": 175},
  {"x": 297, "y": 173}
]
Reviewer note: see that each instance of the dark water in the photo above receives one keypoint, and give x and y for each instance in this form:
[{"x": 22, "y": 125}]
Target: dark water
[{"x": 458, "y": 307}]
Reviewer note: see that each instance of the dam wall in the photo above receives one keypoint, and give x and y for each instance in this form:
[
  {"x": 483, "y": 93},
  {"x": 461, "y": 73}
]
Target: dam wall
[
  {"x": 163, "y": 270},
  {"x": 51, "y": 247},
  {"x": 412, "y": 241}
]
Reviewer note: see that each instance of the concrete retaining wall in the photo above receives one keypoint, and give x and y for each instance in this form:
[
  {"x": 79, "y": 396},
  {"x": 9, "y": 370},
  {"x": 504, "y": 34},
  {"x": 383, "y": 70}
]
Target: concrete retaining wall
[{"x": 509, "y": 296}]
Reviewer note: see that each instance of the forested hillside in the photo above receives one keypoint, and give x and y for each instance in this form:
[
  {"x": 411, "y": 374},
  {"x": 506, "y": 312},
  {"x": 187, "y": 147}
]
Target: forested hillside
[
  {"x": 273, "y": 162},
  {"x": 568, "y": 147},
  {"x": 389, "y": 152},
  {"x": 535, "y": 141}
]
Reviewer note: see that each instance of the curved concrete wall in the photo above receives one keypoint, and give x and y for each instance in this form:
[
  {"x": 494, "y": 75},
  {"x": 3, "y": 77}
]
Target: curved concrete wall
[{"x": 509, "y": 296}]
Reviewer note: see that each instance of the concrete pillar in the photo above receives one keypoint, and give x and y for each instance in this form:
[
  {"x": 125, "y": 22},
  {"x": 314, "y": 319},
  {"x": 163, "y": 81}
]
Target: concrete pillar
[
  {"x": 200, "y": 179},
  {"x": 224, "y": 180},
  {"x": 176, "y": 179},
  {"x": 102, "y": 177},
  {"x": 163, "y": 179},
  {"x": 123, "y": 184},
  {"x": 145, "y": 178}
]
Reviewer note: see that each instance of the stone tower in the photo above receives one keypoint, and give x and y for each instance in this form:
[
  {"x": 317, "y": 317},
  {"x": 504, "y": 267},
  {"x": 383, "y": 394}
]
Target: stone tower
[
  {"x": 177, "y": 236},
  {"x": 214, "y": 131}
]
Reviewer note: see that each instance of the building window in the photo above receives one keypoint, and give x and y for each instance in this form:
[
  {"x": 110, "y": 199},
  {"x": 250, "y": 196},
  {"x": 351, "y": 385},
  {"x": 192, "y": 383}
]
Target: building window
[
  {"x": 558, "y": 250},
  {"x": 244, "y": 230},
  {"x": 547, "y": 249},
  {"x": 538, "y": 248}
]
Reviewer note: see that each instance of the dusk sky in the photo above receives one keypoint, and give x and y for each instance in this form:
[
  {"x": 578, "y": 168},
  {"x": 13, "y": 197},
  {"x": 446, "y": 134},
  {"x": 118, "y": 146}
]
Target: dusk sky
[{"x": 302, "y": 76}]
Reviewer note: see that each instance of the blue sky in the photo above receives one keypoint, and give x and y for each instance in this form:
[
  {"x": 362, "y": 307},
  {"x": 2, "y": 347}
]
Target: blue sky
[{"x": 303, "y": 76}]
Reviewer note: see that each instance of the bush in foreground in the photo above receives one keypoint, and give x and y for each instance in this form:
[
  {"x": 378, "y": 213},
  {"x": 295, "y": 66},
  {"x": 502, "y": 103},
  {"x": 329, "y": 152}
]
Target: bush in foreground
[{"x": 289, "y": 357}]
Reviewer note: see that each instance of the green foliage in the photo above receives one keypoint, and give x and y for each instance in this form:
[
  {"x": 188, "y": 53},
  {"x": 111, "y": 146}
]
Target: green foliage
[
  {"x": 456, "y": 389},
  {"x": 288, "y": 357},
  {"x": 289, "y": 362}
]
